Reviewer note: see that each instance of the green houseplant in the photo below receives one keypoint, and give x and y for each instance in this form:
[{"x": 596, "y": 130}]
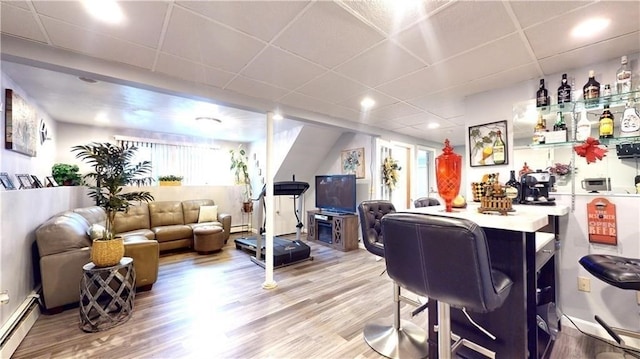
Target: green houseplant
[
  {"x": 170, "y": 180},
  {"x": 66, "y": 174},
  {"x": 240, "y": 170},
  {"x": 112, "y": 170}
]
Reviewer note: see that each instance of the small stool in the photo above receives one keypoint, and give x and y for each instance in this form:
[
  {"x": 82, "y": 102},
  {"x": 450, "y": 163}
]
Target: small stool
[{"x": 207, "y": 239}]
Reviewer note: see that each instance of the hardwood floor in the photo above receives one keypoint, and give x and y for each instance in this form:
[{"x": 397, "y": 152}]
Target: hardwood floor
[{"x": 213, "y": 306}]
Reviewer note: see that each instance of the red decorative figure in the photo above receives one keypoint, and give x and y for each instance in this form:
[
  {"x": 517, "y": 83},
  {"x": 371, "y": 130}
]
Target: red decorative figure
[{"x": 448, "y": 173}]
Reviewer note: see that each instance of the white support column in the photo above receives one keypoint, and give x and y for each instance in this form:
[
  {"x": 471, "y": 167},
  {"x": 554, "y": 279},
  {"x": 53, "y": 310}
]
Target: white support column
[{"x": 269, "y": 282}]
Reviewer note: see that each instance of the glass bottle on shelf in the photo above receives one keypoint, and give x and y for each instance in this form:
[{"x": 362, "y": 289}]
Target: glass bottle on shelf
[
  {"x": 606, "y": 93},
  {"x": 606, "y": 123},
  {"x": 583, "y": 127},
  {"x": 542, "y": 95},
  {"x": 623, "y": 78},
  {"x": 591, "y": 90},
  {"x": 630, "y": 123},
  {"x": 498, "y": 149},
  {"x": 560, "y": 125},
  {"x": 512, "y": 187},
  {"x": 564, "y": 91},
  {"x": 539, "y": 131}
]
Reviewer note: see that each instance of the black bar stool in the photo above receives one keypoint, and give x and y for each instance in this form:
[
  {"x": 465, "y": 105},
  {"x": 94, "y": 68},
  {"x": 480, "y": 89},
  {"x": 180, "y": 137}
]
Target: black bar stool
[
  {"x": 445, "y": 259},
  {"x": 403, "y": 339},
  {"x": 621, "y": 272}
]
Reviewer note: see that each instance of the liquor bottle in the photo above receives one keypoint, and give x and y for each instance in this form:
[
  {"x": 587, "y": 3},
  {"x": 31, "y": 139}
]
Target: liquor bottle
[
  {"x": 560, "y": 125},
  {"x": 564, "y": 91},
  {"x": 583, "y": 127},
  {"x": 606, "y": 123},
  {"x": 498, "y": 150},
  {"x": 512, "y": 187},
  {"x": 630, "y": 123},
  {"x": 539, "y": 131},
  {"x": 606, "y": 93},
  {"x": 591, "y": 90},
  {"x": 623, "y": 78},
  {"x": 542, "y": 95}
]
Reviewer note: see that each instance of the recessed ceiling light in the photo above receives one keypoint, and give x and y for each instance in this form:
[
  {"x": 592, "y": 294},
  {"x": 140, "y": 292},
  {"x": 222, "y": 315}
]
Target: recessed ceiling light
[
  {"x": 590, "y": 27},
  {"x": 277, "y": 117},
  {"x": 101, "y": 117},
  {"x": 88, "y": 80},
  {"x": 205, "y": 118},
  {"x": 367, "y": 103},
  {"x": 104, "y": 10},
  {"x": 433, "y": 125}
]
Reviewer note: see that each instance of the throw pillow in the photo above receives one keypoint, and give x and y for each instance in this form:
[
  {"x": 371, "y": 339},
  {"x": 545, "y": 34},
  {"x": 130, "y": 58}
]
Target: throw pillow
[
  {"x": 208, "y": 214},
  {"x": 96, "y": 231}
]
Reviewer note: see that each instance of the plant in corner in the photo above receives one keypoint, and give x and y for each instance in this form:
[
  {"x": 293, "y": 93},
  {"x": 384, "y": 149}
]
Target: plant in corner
[
  {"x": 66, "y": 174},
  {"x": 113, "y": 169},
  {"x": 239, "y": 161}
]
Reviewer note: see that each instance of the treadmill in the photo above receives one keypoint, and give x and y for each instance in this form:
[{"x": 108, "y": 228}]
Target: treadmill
[{"x": 285, "y": 252}]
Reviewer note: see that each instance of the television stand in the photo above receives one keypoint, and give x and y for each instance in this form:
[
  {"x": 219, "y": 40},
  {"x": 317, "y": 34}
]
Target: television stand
[{"x": 335, "y": 230}]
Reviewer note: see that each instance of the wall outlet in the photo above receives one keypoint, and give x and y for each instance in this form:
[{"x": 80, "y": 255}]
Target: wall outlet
[{"x": 584, "y": 284}]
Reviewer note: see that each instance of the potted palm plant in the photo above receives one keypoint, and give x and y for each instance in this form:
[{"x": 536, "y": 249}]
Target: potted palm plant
[
  {"x": 240, "y": 170},
  {"x": 112, "y": 170}
]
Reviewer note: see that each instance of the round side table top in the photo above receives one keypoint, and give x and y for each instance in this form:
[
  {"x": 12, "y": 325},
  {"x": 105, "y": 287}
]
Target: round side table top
[{"x": 92, "y": 267}]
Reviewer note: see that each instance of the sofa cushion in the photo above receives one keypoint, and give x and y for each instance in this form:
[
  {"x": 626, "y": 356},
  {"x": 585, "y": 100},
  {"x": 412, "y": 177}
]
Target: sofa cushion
[
  {"x": 137, "y": 217},
  {"x": 62, "y": 233},
  {"x": 191, "y": 209},
  {"x": 93, "y": 214},
  {"x": 96, "y": 231},
  {"x": 165, "y": 213},
  {"x": 172, "y": 232},
  {"x": 208, "y": 214},
  {"x": 144, "y": 232}
]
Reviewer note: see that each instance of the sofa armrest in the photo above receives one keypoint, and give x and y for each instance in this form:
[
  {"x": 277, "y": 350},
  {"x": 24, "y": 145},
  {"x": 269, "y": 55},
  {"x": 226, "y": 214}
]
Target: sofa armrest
[
  {"x": 225, "y": 219},
  {"x": 61, "y": 274}
]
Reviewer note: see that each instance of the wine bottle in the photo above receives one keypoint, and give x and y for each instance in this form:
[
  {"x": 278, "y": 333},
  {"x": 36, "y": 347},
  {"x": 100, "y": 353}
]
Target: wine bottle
[
  {"x": 564, "y": 91},
  {"x": 606, "y": 123},
  {"x": 591, "y": 90},
  {"x": 583, "y": 127},
  {"x": 560, "y": 125},
  {"x": 542, "y": 95},
  {"x": 623, "y": 78},
  {"x": 512, "y": 187},
  {"x": 498, "y": 149}
]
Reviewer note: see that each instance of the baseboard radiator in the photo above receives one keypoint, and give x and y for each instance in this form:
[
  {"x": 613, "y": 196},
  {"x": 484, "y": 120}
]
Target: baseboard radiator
[{"x": 16, "y": 328}]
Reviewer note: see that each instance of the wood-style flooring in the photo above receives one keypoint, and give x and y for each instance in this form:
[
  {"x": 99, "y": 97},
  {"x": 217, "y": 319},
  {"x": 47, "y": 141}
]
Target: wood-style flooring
[{"x": 213, "y": 306}]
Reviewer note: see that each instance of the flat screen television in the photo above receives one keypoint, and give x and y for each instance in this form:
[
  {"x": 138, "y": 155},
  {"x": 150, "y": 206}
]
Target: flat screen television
[{"x": 336, "y": 193}]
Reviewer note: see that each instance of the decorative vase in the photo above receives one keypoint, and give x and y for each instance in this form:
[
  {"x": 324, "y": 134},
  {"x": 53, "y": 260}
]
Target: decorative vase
[
  {"x": 107, "y": 253},
  {"x": 448, "y": 172}
]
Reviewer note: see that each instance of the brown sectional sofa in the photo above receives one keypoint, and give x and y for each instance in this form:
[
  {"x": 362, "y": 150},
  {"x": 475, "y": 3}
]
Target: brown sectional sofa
[{"x": 64, "y": 245}]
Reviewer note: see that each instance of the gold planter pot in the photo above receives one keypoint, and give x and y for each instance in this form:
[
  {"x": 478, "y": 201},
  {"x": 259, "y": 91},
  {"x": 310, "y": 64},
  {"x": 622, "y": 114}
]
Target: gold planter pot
[
  {"x": 107, "y": 253},
  {"x": 170, "y": 183}
]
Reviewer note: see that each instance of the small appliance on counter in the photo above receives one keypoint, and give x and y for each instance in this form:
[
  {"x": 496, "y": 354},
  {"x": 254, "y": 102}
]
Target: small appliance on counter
[
  {"x": 593, "y": 185},
  {"x": 535, "y": 188}
]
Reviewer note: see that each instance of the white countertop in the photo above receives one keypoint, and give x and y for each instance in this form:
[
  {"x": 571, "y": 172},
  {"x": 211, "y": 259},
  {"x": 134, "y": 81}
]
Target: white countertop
[
  {"x": 557, "y": 210},
  {"x": 524, "y": 219}
]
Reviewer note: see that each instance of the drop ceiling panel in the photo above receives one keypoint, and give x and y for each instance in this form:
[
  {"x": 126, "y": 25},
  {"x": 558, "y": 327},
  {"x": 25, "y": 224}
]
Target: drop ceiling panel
[
  {"x": 328, "y": 35},
  {"x": 445, "y": 105},
  {"x": 540, "y": 36},
  {"x": 18, "y": 3},
  {"x": 591, "y": 54},
  {"x": 262, "y": 19},
  {"x": 380, "y": 99},
  {"x": 191, "y": 71},
  {"x": 97, "y": 45},
  {"x": 382, "y": 63},
  {"x": 495, "y": 81},
  {"x": 201, "y": 40},
  {"x": 247, "y": 86},
  {"x": 304, "y": 102},
  {"x": 459, "y": 27},
  {"x": 19, "y": 22},
  {"x": 531, "y": 13},
  {"x": 423, "y": 81},
  {"x": 145, "y": 32},
  {"x": 398, "y": 109},
  {"x": 331, "y": 87},
  {"x": 282, "y": 69}
]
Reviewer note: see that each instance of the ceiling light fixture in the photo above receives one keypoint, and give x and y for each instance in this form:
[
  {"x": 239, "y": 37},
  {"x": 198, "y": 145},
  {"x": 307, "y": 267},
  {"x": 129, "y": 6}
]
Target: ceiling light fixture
[
  {"x": 88, "y": 80},
  {"x": 590, "y": 27},
  {"x": 277, "y": 117},
  {"x": 367, "y": 103},
  {"x": 433, "y": 125},
  {"x": 206, "y": 118},
  {"x": 104, "y": 10}
]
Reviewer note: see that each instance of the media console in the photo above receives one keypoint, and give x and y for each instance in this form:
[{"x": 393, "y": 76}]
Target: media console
[{"x": 335, "y": 230}]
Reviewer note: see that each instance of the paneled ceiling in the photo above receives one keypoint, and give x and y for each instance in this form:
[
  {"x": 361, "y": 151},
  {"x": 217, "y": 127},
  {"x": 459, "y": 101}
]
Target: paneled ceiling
[{"x": 315, "y": 57}]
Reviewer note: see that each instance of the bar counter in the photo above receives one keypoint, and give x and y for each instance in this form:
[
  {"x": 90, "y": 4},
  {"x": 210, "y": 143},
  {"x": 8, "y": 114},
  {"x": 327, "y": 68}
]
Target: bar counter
[{"x": 527, "y": 256}]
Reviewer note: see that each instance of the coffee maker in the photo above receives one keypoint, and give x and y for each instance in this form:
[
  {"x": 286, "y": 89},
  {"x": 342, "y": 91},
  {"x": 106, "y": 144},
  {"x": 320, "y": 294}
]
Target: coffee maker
[{"x": 535, "y": 188}]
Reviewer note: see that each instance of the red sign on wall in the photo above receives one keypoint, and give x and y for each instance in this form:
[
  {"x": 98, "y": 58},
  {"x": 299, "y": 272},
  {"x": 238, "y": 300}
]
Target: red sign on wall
[{"x": 601, "y": 217}]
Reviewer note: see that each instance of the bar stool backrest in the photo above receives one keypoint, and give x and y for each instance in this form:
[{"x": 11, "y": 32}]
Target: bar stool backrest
[{"x": 371, "y": 213}]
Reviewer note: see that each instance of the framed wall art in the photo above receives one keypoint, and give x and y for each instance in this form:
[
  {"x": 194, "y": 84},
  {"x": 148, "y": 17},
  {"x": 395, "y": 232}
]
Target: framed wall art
[
  {"x": 352, "y": 162},
  {"x": 488, "y": 144},
  {"x": 21, "y": 125}
]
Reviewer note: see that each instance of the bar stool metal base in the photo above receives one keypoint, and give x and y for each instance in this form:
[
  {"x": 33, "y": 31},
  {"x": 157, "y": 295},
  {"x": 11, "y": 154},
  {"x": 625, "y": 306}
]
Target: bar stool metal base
[{"x": 410, "y": 341}]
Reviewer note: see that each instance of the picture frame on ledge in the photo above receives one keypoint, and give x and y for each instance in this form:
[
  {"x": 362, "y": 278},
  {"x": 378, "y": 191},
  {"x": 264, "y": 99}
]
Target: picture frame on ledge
[
  {"x": 36, "y": 182},
  {"x": 488, "y": 144},
  {"x": 51, "y": 182},
  {"x": 6, "y": 181},
  {"x": 24, "y": 180}
]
